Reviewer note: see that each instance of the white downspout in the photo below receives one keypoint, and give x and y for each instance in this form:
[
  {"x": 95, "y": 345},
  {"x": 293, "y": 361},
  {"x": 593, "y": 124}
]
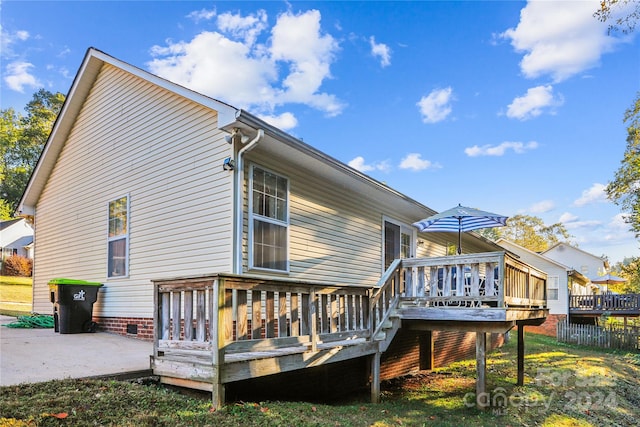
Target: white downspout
[{"x": 239, "y": 169}]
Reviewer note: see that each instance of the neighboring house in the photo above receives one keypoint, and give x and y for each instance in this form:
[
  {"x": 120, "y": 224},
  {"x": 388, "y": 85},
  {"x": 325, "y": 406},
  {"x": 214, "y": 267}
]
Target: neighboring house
[
  {"x": 143, "y": 179},
  {"x": 16, "y": 238},
  {"x": 562, "y": 281},
  {"x": 587, "y": 264}
]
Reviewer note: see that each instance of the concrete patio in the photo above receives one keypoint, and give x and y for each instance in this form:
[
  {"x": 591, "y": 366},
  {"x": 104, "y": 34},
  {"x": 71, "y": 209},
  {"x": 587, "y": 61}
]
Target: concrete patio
[{"x": 35, "y": 355}]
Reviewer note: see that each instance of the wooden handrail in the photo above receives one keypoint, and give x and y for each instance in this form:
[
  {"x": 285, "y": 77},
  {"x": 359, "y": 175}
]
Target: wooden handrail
[
  {"x": 605, "y": 302},
  {"x": 225, "y": 313}
]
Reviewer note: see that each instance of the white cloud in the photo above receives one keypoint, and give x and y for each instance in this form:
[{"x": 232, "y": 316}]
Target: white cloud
[
  {"x": 233, "y": 66},
  {"x": 247, "y": 28},
  {"x": 533, "y": 102},
  {"x": 542, "y": 207},
  {"x": 572, "y": 222},
  {"x": 618, "y": 222},
  {"x": 298, "y": 41},
  {"x": 415, "y": 162},
  {"x": 595, "y": 194},
  {"x": 22, "y": 35},
  {"x": 380, "y": 50},
  {"x": 284, "y": 121},
  {"x": 8, "y": 39},
  {"x": 202, "y": 15},
  {"x": 559, "y": 38},
  {"x": 436, "y": 106},
  {"x": 500, "y": 150},
  {"x": 18, "y": 76},
  {"x": 358, "y": 163},
  {"x": 567, "y": 217}
]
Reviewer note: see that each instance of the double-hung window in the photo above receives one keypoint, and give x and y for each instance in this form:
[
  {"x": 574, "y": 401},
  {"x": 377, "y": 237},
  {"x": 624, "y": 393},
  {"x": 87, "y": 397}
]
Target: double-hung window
[
  {"x": 118, "y": 240},
  {"x": 553, "y": 287},
  {"x": 268, "y": 220}
]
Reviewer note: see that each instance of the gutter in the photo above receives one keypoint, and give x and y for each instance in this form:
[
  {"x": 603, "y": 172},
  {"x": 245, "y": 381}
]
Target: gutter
[{"x": 239, "y": 212}]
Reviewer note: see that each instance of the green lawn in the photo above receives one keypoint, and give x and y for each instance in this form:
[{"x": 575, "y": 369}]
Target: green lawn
[
  {"x": 564, "y": 386},
  {"x": 15, "y": 295}
]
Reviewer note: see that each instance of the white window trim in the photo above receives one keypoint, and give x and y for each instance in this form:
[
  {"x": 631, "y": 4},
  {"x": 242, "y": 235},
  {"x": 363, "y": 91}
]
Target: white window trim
[
  {"x": 126, "y": 236},
  {"x": 251, "y": 216}
]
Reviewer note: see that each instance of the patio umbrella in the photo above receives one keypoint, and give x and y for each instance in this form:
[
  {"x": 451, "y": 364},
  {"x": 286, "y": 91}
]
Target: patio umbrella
[
  {"x": 461, "y": 219},
  {"x": 608, "y": 279}
]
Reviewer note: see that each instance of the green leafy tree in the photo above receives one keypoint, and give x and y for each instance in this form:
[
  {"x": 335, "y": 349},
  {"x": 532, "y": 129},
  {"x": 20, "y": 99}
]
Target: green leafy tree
[
  {"x": 529, "y": 232},
  {"x": 624, "y": 190},
  {"x": 21, "y": 141},
  {"x": 629, "y": 268}
]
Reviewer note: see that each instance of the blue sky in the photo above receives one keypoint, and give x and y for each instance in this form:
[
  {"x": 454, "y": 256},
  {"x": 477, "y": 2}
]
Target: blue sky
[{"x": 510, "y": 107}]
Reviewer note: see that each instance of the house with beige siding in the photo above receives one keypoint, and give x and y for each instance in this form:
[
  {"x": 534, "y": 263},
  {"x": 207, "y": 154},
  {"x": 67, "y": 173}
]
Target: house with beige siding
[
  {"x": 132, "y": 155},
  {"x": 279, "y": 244}
]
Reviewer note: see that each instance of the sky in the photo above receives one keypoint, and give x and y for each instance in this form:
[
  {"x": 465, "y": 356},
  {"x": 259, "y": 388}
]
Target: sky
[{"x": 506, "y": 106}]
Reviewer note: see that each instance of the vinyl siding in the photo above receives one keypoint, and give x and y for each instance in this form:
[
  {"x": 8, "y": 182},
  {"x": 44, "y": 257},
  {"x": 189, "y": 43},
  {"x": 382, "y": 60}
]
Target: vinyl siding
[
  {"x": 335, "y": 235},
  {"x": 163, "y": 151},
  {"x": 561, "y": 305}
]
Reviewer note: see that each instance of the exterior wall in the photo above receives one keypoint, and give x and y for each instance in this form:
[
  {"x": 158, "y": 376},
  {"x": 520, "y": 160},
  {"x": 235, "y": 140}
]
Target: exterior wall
[
  {"x": 133, "y": 327},
  {"x": 583, "y": 262},
  {"x": 453, "y": 346},
  {"x": 559, "y": 306},
  {"x": 335, "y": 236},
  {"x": 549, "y": 327},
  {"x": 163, "y": 151},
  {"x": 404, "y": 355}
]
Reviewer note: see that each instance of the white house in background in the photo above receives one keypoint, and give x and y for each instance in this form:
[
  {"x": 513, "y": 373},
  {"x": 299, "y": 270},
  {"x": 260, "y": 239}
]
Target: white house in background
[
  {"x": 587, "y": 264},
  {"x": 562, "y": 280},
  {"x": 16, "y": 238}
]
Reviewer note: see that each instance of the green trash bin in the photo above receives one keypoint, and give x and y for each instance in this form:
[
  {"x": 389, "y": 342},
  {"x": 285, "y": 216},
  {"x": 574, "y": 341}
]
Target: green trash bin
[{"x": 73, "y": 305}]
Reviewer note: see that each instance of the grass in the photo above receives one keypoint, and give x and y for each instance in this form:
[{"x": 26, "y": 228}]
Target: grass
[
  {"x": 15, "y": 295},
  {"x": 564, "y": 386}
]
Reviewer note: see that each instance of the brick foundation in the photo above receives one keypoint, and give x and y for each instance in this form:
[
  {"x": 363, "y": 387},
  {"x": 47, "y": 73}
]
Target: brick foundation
[
  {"x": 549, "y": 327},
  {"x": 134, "y": 327}
]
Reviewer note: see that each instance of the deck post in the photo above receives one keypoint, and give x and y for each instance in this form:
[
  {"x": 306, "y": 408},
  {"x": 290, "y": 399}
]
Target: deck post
[
  {"x": 217, "y": 316},
  {"x": 520, "y": 354},
  {"x": 481, "y": 371},
  {"x": 375, "y": 377}
]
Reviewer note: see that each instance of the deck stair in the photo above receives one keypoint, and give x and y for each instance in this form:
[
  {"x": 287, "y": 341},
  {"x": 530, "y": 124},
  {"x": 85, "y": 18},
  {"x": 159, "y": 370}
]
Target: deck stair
[{"x": 217, "y": 329}]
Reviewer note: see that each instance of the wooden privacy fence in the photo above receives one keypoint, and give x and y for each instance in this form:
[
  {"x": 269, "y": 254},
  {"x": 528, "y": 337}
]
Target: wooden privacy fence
[{"x": 617, "y": 337}]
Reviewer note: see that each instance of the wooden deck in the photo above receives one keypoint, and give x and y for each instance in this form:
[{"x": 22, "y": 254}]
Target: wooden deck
[
  {"x": 217, "y": 329},
  {"x": 623, "y": 305}
]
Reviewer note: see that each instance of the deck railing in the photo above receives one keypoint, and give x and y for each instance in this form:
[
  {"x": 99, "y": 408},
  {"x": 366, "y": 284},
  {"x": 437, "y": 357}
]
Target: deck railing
[
  {"x": 226, "y": 314},
  {"x": 494, "y": 279},
  {"x": 628, "y": 303},
  {"x": 251, "y": 313}
]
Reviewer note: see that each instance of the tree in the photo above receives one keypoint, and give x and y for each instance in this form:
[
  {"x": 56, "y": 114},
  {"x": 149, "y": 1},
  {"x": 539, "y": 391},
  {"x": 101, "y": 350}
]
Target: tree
[
  {"x": 624, "y": 190},
  {"x": 21, "y": 141},
  {"x": 529, "y": 232},
  {"x": 629, "y": 268},
  {"x": 624, "y": 13}
]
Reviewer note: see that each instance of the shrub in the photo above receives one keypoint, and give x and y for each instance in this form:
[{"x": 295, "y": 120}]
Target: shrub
[{"x": 17, "y": 265}]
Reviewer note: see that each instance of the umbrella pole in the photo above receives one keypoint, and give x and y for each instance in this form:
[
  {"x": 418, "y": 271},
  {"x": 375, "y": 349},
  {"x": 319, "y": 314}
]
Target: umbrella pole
[{"x": 459, "y": 236}]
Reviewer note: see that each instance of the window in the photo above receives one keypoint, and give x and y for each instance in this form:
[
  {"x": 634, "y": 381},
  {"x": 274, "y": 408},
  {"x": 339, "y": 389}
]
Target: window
[
  {"x": 118, "y": 240},
  {"x": 553, "y": 283},
  {"x": 268, "y": 220}
]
